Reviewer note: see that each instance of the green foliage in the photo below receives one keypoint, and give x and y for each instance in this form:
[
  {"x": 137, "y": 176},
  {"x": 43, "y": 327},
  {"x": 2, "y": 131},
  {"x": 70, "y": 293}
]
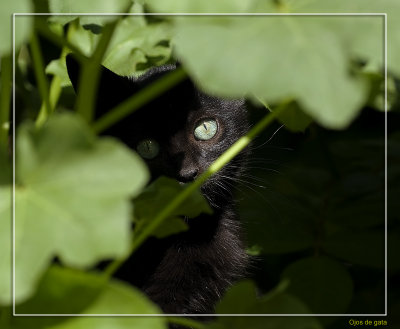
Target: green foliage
[
  {"x": 23, "y": 24},
  {"x": 323, "y": 284},
  {"x": 89, "y": 6},
  {"x": 57, "y": 294},
  {"x": 276, "y": 302},
  {"x": 319, "y": 224},
  {"x": 159, "y": 194},
  {"x": 305, "y": 54},
  {"x": 59, "y": 166}
]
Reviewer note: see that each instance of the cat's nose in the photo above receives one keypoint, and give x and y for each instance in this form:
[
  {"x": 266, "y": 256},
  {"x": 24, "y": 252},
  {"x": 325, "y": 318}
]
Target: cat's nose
[{"x": 188, "y": 174}]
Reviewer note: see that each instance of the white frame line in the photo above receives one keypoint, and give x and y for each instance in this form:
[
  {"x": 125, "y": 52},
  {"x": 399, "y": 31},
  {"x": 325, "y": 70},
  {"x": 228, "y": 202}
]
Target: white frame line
[{"x": 384, "y": 15}]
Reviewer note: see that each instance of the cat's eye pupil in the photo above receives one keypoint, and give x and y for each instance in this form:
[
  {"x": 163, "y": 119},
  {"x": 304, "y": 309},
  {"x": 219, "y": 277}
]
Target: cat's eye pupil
[
  {"x": 148, "y": 148},
  {"x": 206, "y": 129}
]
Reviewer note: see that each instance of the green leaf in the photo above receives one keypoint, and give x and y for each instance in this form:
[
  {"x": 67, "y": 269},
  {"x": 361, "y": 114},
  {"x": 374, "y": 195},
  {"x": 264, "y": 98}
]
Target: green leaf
[
  {"x": 363, "y": 36},
  {"x": 182, "y": 6},
  {"x": 366, "y": 211},
  {"x": 67, "y": 291},
  {"x": 59, "y": 68},
  {"x": 274, "y": 223},
  {"x": 83, "y": 38},
  {"x": 279, "y": 58},
  {"x": 294, "y": 118},
  {"x": 64, "y": 291},
  {"x": 358, "y": 247},
  {"x": 22, "y": 23},
  {"x": 242, "y": 299},
  {"x": 5, "y": 245},
  {"x": 134, "y": 46},
  {"x": 156, "y": 196},
  {"x": 5, "y": 169},
  {"x": 323, "y": 284},
  {"x": 88, "y": 6},
  {"x": 135, "y": 42},
  {"x": 72, "y": 198}
]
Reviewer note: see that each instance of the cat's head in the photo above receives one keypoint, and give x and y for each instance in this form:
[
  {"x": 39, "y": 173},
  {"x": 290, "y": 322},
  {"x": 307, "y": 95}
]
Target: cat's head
[{"x": 180, "y": 133}]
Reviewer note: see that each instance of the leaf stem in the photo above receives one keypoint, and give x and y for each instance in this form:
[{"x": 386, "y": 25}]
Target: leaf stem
[
  {"x": 139, "y": 99},
  {"x": 38, "y": 66},
  {"x": 43, "y": 29},
  {"x": 54, "y": 93},
  {"x": 5, "y": 92},
  {"x": 89, "y": 79},
  {"x": 218, "y": 164}
]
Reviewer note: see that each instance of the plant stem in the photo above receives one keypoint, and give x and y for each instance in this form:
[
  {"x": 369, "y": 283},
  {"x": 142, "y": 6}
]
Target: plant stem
[
  {"x": 44, "y": 30},
  {"x": 5, "y": 92},
  {"x": 89, "y": 79},
  {"x": 38, "y": 66},
  {"x": 54, "y": 94},
  {"x": 186, "y": 322},
  {"x": 139, "y": 99},
  {"x": 218, "y": 164}
]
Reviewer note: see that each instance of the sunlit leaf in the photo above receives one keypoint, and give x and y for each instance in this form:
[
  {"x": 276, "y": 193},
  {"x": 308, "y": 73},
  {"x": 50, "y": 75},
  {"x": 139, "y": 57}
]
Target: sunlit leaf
[
  {"x": 22, "y": 23},
  {"x": 134, "y": 43},
  {"x": 72, "y": 198},
  {"x": 89, "y": 6},
  {"x": 66, "y": 291},
  {"x": 291, "y": 58},
  {"x": 182, "y": 6}
]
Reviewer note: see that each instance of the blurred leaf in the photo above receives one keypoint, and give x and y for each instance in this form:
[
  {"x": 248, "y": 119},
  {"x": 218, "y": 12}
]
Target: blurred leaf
[
  {"x": 206, "y": 6},
  {"x": 72, "y": 198},
  {"x": 310, "y": 49},
  {"x": 294, "y": 118},
  {"x": 281, "y": 219},
  {"x": 5, "y": 245},
  {"x": 158, "y": 195},
  {"x": 365, "y": 155},
  {"x": 323, "y": 284},
  {"x": 58, "y": 67},
  {"x": 133, "y": 42},
  {"x": 135, "y": 46},
  {"x": 66, "y": 291},
  {"x": 363, "y": 35},
  {"x": 83, "y": 38},
  {"x": 358, "y": 247},
  {"x": 5, "y": 228},
  {"x": 277, "y": 226},
  {"x": 88, "y": 6},
  {"x": 245, "y": 291},
  {"x": 242, "y": 299},
  {"x": 5, "y": 169},
  {"x": 366, "y": 211},
  {"x": 22, "y": 23}
]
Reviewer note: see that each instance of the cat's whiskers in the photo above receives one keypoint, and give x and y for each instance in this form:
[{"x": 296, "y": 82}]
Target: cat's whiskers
[
  {"x": 267, "y": 141},
  {"x": 244, "y": 182}
]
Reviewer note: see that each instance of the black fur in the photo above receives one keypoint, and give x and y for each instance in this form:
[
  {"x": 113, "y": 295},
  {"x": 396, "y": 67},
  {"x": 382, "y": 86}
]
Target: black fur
[{"x": 187, "y": 272}]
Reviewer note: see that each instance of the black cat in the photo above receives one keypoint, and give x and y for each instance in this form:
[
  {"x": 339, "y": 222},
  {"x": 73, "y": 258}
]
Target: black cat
[{"x": 179, "y": 134}]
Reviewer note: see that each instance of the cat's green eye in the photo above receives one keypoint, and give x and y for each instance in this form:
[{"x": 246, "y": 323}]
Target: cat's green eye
[
  {"x": 206, "y": 129},
  {"x": 148, "y": 148}
]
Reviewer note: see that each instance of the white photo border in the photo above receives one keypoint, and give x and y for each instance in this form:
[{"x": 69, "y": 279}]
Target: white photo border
[{"x": 384, "y": 15}]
